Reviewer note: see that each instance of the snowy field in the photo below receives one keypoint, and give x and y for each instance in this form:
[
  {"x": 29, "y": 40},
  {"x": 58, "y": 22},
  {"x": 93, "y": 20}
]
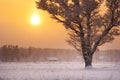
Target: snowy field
[{"x": 59, "y": 71}]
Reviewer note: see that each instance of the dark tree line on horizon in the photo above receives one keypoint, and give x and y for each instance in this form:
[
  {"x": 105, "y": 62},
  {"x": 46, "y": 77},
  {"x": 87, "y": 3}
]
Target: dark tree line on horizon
[{"x": 14, "y": 53}]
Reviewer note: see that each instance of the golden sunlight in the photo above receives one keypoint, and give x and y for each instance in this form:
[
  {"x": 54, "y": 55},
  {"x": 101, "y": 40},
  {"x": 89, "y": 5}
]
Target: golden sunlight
[{"x": 35, "y": 19}]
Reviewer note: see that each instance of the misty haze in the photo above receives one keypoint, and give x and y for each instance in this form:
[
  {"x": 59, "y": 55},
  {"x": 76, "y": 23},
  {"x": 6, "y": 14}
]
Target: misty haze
[{"x": 60, "y": 40}]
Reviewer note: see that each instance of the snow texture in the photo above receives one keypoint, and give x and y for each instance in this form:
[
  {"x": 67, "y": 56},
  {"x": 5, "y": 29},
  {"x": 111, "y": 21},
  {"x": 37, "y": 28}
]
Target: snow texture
[{"x": 59, "y": 71}]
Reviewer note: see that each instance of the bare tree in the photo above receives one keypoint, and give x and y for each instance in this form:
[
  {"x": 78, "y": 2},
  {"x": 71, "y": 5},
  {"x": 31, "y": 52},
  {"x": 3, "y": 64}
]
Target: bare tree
[{"x": 88, "y": 27}]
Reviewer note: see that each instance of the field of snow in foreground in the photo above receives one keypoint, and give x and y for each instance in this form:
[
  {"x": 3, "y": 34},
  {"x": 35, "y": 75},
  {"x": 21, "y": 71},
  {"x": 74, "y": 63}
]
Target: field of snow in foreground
[{"x": 59, "y": 71}]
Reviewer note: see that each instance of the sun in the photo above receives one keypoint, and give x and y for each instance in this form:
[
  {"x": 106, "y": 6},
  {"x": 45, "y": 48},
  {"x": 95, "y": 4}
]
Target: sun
[{"x": 35, "y": 19}]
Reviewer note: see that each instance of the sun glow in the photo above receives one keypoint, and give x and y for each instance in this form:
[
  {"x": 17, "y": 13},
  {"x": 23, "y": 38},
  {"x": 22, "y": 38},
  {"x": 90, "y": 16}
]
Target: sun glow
[{"x": 35, "y": 19}]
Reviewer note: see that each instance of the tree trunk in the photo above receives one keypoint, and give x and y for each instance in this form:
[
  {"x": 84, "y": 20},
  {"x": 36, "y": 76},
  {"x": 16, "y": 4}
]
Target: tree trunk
[
  {"x": 88, "y": 63},
  {"x": 88, "y": 60}
]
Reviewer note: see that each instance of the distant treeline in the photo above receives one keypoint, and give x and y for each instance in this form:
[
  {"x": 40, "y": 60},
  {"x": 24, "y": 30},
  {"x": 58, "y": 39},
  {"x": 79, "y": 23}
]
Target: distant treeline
[
  {"x": 107, "y": 56},
  {"x": 14, "y": 53},
  {"x": 10, "y": 53}
]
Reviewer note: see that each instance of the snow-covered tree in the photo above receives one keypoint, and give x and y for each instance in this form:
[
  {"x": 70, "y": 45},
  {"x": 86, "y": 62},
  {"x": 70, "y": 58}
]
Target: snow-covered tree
[{"x": 90, "y": 23}]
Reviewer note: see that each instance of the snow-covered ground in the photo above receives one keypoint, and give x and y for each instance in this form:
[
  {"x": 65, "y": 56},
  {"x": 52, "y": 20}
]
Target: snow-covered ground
[{"x": 59, "y": 71}]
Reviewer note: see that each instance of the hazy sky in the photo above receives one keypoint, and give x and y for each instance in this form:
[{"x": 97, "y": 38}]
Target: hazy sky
[{"x": 16, "y": 28}]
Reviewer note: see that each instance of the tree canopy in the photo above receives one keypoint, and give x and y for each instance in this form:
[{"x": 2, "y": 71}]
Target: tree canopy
[{"x": 88, "y": 27}]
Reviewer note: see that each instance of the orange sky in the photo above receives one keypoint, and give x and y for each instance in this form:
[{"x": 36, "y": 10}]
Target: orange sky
[{"x": 16, "y": 28}]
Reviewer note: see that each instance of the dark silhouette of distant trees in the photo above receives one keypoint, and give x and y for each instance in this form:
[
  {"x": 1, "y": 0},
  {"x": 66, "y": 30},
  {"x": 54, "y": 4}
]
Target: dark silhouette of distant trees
[
  {"x": 88, "y": 28},
  {"x": 13, "y": 53},
  {"x": 10, "y": 52}
]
